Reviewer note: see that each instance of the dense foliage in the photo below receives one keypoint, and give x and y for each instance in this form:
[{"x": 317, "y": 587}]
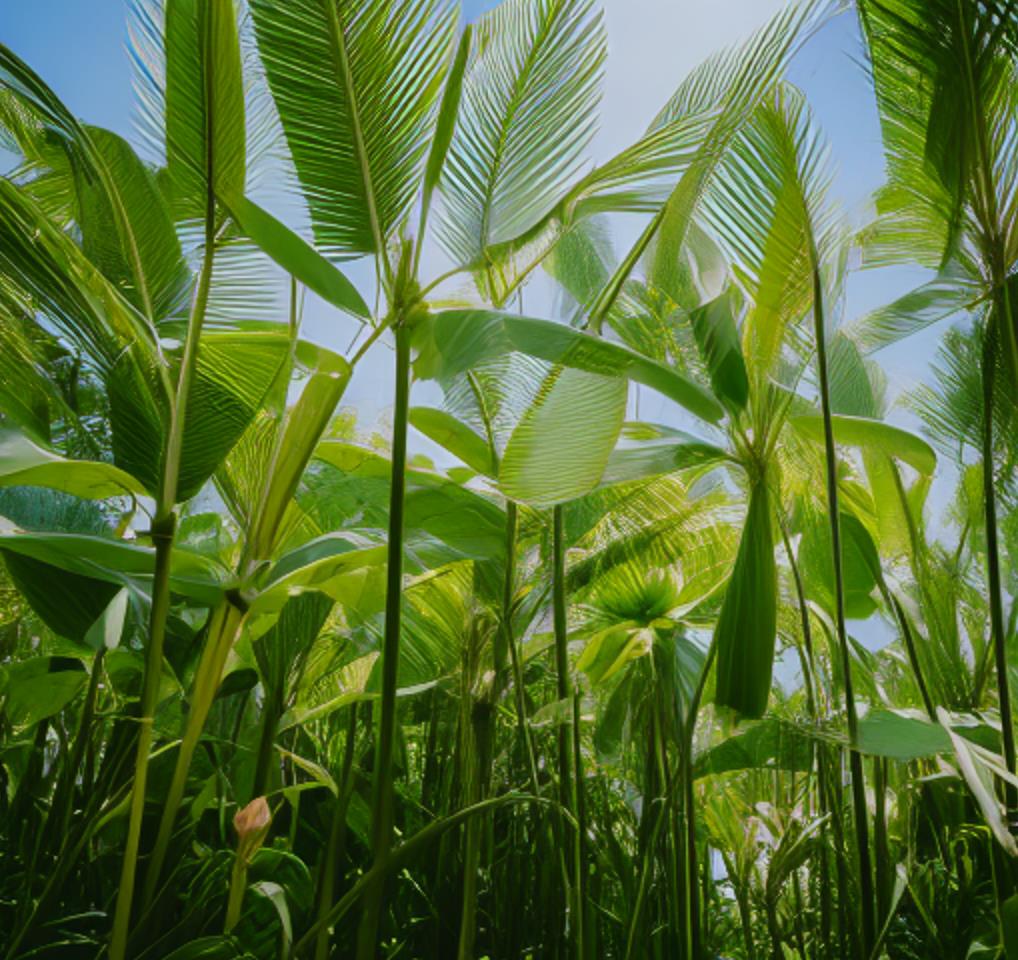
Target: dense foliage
[{"x": 271, "y": 687}]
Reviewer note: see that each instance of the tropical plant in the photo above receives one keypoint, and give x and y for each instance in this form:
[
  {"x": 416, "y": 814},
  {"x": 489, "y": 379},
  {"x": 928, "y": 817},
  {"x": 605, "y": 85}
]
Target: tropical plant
[{"x": 582, "y": 685}]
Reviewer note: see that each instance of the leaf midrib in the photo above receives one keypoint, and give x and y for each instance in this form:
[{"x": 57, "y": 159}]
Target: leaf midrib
[
  {"x": 514, "y": 104},
  {"x": 344, "y": 78}
]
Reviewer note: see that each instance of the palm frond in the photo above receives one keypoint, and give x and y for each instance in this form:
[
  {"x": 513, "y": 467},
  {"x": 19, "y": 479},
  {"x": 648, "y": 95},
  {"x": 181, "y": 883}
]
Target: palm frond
[
  {"x": 944, "y": 86},
  {"x": 768, "y": 205},
  {"x": 527, "y": 114},
  {"x": 355, "y": 82},
  {"x": 734, "y": 85}
]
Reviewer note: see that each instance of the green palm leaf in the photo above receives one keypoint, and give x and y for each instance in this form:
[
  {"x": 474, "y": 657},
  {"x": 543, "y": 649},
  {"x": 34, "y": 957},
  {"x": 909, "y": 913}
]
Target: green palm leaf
[
  {"x": 768, "y": 206},
  {"x": 527, "y": 114},
  {"x": 354, "y": 82},
  {"x": 18, "y": 78},
  {"x": 205, "y": 138},
  {"x": 727, "y": 89},
  {"x": 455, "y": 341},
  {"x": 144, "y": 206}
]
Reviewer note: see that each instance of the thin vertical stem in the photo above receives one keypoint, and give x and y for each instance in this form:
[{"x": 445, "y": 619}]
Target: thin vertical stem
[
  {"x": 561, "y": 645},
  {"x": 563, "y": 689},
  {"x": 579, "y": 847},
  {"x": 997, "y": 627},
  {"x": 162, "y": 534},
  {"x": 381, "y": 824},
  {"x": 337, "y": 838},
  {"x": 855, "y": 760}
]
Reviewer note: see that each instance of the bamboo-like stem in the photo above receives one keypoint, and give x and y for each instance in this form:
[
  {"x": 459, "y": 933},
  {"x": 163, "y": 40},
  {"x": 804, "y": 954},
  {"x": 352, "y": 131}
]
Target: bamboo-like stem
[
  {"x": 400, "y": 856},
  {"x": 997, "y": 626},
  {"x": 880, "y": 838},
  {"x": 474, "y": 746},
  {"x": 646, "y": 868},
  {"x": 337, "y": 839},
  {"x": 694, "y": 916},
  {"x": 579, "y": 845},
  {"x": 867, "y": 905},
  {"x": 163, "y": 529},
  {"x": 563, "y": 691},
  {"x": 561, "y": 648},
  {"x": 271, "y": 713},
  {"x": 381, "y": 824},
  {"x": 225, "y": 624}
]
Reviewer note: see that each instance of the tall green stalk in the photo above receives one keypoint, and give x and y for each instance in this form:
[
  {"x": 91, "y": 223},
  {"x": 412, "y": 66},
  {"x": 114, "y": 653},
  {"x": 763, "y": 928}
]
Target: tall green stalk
[
  {"x": 381, "y": 796},
  {"x": 866, "y": 892},
  {"x": 694, "y": 916},
  {"x": 997, "y": 626},
  {"x": 335, "y": 851},
  {"x": 509, "y": 639},
  {"x": 162, "y": 533},
  {"x": 224, "y": 626},
  {"x": 567, "y": 794},
  {"x": 474, "y": 754},
  {"x": 995, "y": 252},
  {"x": 558, "y": 591}
]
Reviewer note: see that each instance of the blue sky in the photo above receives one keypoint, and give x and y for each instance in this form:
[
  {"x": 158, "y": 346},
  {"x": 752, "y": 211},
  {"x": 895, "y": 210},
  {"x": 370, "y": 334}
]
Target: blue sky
[{"x": 78, "y": 46}]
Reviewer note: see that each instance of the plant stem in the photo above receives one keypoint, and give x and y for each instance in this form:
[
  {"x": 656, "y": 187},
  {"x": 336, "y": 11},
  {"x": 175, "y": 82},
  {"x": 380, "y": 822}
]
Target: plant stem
[
  {"x": 63, "y": 800},
  {"x": 997, "y": 627},
  {"x": 561, "y": 648},
  {"x": 226, "y": 622},
  {"x": 337, "y": 837},
  {"x": 271, "y": 713},
  {"x": 908, "y": 637},
  {"x": 381, "y": 823},
  {"x": 855, "y": 760},
  {"x": 563, "y": 690},
  {"x": 163, "y": 528},
  {"x": 399, "y": 857},
  {"x": 238, "y": 886},
  {"x": 579, "y": 845}
]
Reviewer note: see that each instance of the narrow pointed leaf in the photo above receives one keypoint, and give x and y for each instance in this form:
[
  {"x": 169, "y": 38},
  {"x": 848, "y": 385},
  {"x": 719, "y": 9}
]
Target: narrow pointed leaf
[
  {"x": 648, "y": 450},
  {"x": 718, "y": 340},
  {"x": 455, "y": 436},
  {"x": 297, "y": 257},
  {"x": 25, "y": 463}
]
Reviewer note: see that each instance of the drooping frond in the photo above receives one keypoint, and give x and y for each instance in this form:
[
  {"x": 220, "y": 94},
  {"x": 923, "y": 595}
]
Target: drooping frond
[
  {"x": 681, "y": 144},
  {"x": 728, "y": 91}
]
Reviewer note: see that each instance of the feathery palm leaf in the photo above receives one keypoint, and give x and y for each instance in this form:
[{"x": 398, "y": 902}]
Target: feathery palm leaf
[
  {"x": 355, "y": 82},
  {"x": 527, "y": 114}
]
